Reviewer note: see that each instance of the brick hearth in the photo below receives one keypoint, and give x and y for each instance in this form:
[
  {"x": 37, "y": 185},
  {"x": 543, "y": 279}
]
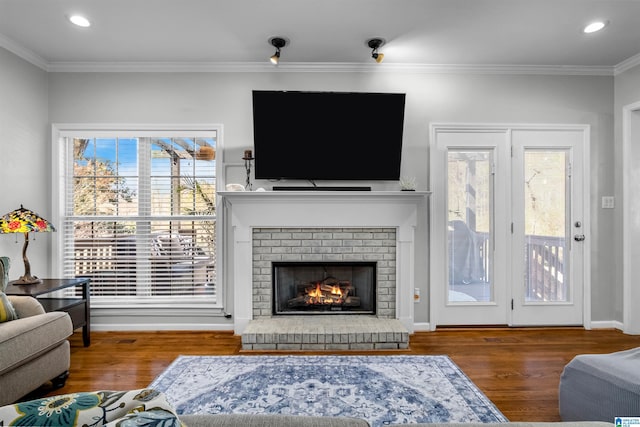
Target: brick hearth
[
  {"x": 317, "y": 331},
  {"x": 325, "y": 332}
]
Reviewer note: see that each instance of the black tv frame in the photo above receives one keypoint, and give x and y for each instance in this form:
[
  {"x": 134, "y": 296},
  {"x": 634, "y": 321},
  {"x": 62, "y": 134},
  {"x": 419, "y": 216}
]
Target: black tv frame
[{"x": 328, "y": 136}]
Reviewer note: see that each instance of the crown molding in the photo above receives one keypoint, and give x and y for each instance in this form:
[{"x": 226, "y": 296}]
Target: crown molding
[
  {"x": 26, "y": 54},
  {"x": 328, "y": 67},
  {"x": 627, "y": 64},
  {"x": 160, "y": 67},
  {"x": 311, "y": 67}
]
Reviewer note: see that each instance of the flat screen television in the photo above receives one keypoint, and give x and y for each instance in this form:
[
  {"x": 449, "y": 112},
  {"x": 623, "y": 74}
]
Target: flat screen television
[{"x": 327, "y": 135}]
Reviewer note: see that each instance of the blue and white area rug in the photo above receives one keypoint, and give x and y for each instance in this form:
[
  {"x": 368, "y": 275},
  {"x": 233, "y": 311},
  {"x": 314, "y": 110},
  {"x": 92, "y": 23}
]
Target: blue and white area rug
[{"x": 379, "y": 389}]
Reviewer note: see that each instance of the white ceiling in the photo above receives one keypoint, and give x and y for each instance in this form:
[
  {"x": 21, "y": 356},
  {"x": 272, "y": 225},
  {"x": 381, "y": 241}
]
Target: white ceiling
[{"x": 520, "y": 34}]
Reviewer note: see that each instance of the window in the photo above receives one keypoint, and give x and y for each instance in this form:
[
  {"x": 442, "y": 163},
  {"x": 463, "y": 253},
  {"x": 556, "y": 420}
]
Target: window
[
  {"x": 469, "y": 225},
  {"x": 138, "y": 214}
]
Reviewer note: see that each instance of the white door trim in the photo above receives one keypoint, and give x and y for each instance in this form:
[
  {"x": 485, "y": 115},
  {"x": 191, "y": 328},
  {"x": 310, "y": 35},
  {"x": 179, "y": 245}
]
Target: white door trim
[
  {"x": 631, "y": 319},
  {"x": 434, "y": 128}
]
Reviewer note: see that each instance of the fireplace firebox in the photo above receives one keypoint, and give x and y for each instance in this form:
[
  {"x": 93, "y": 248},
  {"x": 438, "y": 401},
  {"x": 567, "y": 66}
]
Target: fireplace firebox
[{"x": 324, "y": 288}]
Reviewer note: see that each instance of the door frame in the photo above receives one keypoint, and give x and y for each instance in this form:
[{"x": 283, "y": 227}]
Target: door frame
[
  {"x": 630, "y": 317},
  {"x": 437, "y": 258}
]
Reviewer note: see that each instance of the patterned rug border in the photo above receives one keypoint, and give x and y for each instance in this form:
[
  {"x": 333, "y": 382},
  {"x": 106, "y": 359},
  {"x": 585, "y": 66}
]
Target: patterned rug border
[{"x": 475, "y": 399}]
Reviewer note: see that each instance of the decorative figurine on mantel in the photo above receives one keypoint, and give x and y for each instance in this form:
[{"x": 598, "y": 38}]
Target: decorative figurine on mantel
[
  {"x": 248, "y": 157},
  {"x": 408, "y": 183}
]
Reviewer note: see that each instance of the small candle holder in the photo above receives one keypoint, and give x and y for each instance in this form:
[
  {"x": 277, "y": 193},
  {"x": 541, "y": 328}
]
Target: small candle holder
[{"x": 248, "y": 157}]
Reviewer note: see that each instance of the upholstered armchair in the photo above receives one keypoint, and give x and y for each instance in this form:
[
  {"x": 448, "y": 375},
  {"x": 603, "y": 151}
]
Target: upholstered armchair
[{"x": 33, "y": 344}]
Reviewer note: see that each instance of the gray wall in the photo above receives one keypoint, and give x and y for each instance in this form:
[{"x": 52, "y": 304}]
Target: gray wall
[
  {"x": 627, "y": 91},
  {"x": 25, "y": 157},
  {"x": 226, "y": 98}
]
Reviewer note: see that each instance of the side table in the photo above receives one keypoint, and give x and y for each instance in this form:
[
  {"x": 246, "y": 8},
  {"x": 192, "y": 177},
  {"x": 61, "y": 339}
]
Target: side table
[{"x": 79, "y": 308}]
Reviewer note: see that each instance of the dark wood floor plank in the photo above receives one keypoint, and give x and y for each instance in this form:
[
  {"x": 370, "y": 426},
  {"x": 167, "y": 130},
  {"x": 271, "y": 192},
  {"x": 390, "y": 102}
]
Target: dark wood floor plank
[{"x": 518, "y": 369}]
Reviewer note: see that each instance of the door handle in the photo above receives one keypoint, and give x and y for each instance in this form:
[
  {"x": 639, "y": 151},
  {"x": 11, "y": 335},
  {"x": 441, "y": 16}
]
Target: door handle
[{"x": 579, "y": 237}]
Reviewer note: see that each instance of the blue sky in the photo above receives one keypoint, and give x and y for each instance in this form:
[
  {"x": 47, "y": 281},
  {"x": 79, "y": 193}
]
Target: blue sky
[
  {"x": 127, "y": 161},
  {"x": 123, "y": 154}
]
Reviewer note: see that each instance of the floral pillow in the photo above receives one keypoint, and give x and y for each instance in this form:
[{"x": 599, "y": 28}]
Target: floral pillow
[{"x": 145, "y": 407}]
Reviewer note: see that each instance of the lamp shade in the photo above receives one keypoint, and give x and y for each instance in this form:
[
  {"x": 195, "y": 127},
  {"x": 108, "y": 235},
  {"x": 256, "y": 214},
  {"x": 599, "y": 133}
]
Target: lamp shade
[{"x": 24, "y": 221}]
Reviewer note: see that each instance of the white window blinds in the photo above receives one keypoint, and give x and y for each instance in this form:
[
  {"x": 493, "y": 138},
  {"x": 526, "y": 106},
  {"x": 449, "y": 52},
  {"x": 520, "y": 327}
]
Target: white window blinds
[{"x": 140, "y": 215}]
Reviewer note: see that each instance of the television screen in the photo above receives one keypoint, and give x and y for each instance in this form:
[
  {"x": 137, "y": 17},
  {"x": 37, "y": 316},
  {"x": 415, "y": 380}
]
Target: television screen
[{"x": 327, "y": 135}]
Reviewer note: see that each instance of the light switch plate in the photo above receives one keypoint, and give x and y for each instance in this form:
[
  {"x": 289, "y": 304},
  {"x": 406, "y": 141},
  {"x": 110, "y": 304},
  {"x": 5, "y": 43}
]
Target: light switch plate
[{"x": 608, "y": 202}]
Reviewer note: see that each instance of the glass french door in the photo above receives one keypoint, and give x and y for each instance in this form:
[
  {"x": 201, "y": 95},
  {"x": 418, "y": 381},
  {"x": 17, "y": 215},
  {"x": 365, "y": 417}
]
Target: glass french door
[
  {"x": 507, "y": 227},
  {"x": 548, "y": 228},
  {"x": 469, "y": 210}
]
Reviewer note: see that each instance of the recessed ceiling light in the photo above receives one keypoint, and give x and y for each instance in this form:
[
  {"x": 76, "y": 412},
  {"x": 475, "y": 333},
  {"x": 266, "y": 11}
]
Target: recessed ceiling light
[
  {"x": 594, "y": 26},
  {"x": 80, "y": 21}
]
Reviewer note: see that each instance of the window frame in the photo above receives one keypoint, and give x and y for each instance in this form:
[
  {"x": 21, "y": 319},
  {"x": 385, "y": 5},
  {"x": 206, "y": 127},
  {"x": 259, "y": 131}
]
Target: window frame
[{"x": 60, "y": 132}]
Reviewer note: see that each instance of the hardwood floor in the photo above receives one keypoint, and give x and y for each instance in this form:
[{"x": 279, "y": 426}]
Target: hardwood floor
[{"x": 518, "y": 369}]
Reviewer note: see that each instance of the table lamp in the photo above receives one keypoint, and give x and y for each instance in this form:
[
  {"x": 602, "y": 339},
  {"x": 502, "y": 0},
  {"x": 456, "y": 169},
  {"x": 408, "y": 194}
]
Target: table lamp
[{"x": 25, "y": 221}]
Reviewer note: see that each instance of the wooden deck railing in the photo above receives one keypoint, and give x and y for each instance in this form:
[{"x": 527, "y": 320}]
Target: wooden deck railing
[
  {"x": 174, "y": 265},
  {"x": 545, "y": 276}
]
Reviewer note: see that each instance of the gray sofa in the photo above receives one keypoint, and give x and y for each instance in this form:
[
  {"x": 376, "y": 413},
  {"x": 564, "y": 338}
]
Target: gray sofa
[
  {"x": 302, "y": 421},
  {"x": 33, "y": 349},
  {"x": 601, "y": 386},
  {"x": 151, "y": 407}
]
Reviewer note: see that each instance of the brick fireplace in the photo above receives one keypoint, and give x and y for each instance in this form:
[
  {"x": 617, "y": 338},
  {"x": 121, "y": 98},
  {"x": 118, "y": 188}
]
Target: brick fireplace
[
  {"x": 329, "y": 245},
  {"x": 271, "y": 227}
]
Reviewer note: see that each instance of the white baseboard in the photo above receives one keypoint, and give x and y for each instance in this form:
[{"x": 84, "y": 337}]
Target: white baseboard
[
  {"x": 422, "y": 327},
  {"x": 607, "y": 324},
  {"x": 417, "y": 327},
  {"x": 161, "y": 327},
  {"x": 604, "y": 324}
]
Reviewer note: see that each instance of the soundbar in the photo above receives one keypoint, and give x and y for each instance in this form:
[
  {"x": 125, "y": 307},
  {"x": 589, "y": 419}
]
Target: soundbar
[{"x": 322, "y": 188}]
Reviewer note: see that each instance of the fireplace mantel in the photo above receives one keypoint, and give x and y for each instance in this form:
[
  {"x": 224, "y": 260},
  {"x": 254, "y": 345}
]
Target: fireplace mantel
[{"x": 312, "y": 209}]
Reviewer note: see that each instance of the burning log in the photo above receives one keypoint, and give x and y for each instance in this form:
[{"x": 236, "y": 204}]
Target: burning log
[
  {"x": 328, "y": 292},
  {"x": 297, "y": 301}
]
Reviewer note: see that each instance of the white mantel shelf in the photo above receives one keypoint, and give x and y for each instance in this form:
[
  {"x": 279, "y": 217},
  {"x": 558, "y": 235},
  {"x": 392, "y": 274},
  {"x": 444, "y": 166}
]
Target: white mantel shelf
[
  {"x": 323, "y": 213},
  {"x": 323, "y": 195},
  {"x": 262, "y": 209}
]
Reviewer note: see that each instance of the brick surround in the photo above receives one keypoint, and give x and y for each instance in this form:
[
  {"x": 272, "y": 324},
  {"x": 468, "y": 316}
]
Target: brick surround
[{"x": 324, "y": 244}]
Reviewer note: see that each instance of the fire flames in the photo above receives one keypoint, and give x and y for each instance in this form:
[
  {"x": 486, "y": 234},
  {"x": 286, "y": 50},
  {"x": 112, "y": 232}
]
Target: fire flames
[
  {"x": 329, "y": 293},
  {"x": 331, "y": 296}
]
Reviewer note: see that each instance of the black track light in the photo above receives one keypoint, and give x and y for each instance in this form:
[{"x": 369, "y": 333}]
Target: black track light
[
  {"x": 375, "y": 44},
  {"x": 278, "y": 43}
]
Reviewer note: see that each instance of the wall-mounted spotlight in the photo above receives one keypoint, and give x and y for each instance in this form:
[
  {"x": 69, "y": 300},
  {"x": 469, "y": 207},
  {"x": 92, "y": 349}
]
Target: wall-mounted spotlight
[
  {"x": 278, "y": 43},
  {"x": 375, "y": 44}
]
